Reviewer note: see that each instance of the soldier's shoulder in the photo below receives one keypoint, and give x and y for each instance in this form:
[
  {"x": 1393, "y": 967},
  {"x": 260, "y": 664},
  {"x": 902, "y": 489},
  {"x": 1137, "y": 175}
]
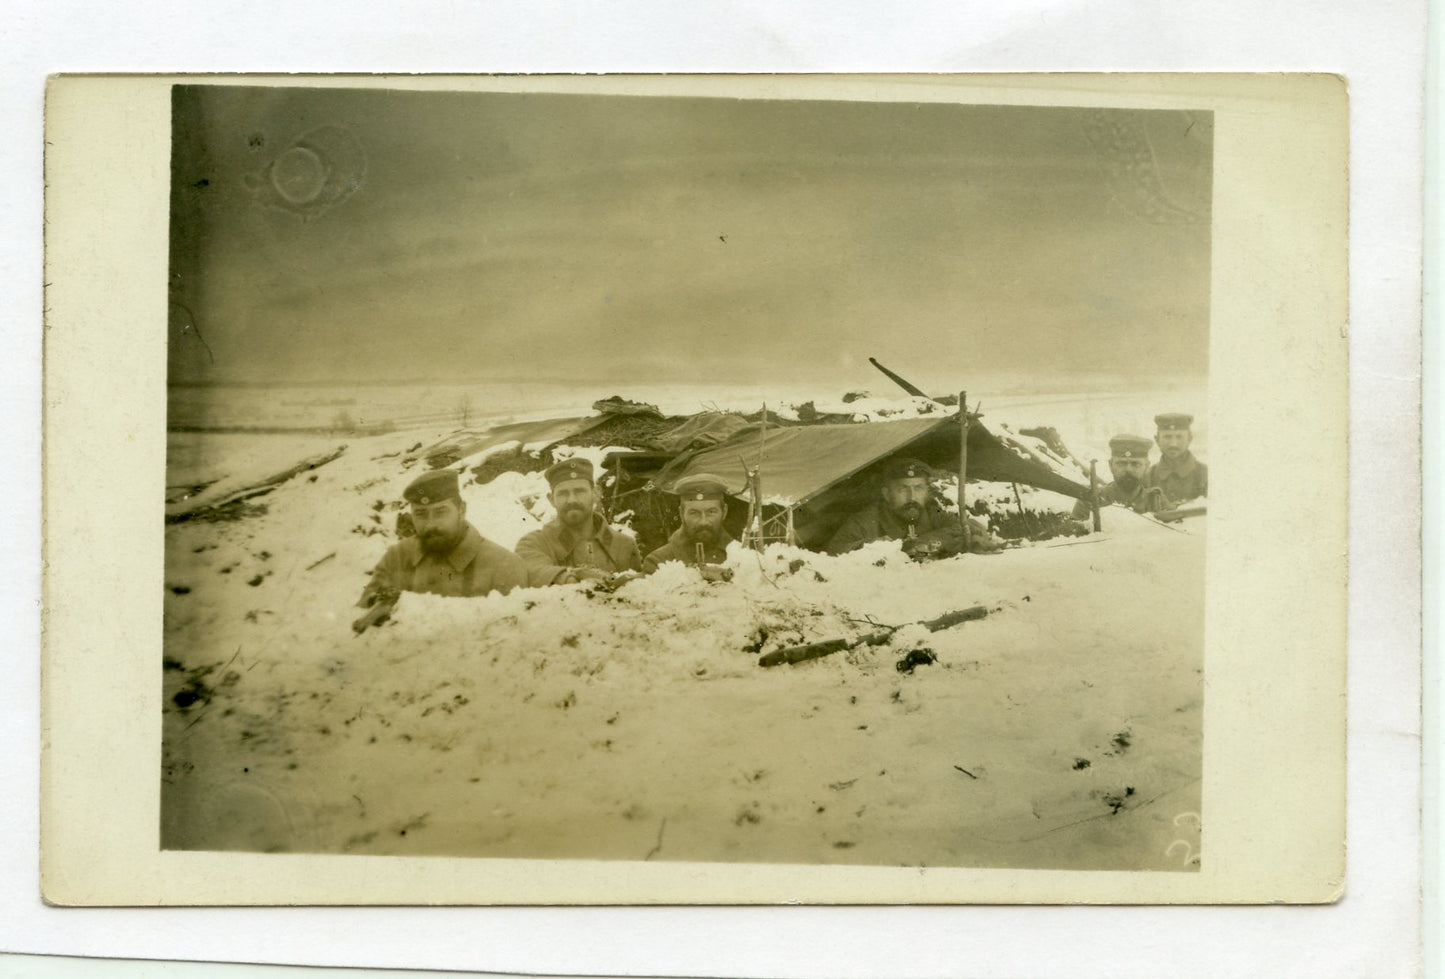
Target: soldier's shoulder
[
  {"x": 612, "y": 533},
  {"x": 406, "y": 549},
  {"x": 663, "y": 553},
  {"x": 538, "y": 536},
  {"x": 547, "y": 529},
  {"x": 493, "y": 552},
  {"x": 866, "y": 517}
]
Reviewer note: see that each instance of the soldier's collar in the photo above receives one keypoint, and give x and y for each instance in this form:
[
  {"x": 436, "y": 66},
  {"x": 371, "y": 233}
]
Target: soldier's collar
[
  {"x": 1183, "y": 468},
  {"x": 599, "y": 530},
  {"x": 931, "y": 512},
  {"x": 465, "y": 551}
]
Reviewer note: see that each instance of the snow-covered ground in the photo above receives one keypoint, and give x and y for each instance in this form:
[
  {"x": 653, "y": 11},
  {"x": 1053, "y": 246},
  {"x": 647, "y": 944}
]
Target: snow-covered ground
[{"x": 1061, "y": 731}]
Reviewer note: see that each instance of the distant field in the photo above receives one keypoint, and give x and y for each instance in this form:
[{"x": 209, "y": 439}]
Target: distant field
[{"x": 371, "y": 407}]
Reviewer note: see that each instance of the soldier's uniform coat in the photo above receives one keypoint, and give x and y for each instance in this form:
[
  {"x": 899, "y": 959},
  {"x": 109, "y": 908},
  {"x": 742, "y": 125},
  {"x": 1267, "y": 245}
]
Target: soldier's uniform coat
[
  {"x": 1144, "y": 499},
  {"x": 679, "y": 548},
  {"x": 476, "y": 566},
  {"x": 1187, "y": 479},
  {"x": 549, "y": 553},
  {"x": 880, "y": 522}
]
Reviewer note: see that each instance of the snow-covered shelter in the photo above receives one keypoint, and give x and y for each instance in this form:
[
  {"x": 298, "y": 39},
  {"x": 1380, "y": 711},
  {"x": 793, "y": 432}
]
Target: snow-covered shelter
[{"x": 812, "y": 476}]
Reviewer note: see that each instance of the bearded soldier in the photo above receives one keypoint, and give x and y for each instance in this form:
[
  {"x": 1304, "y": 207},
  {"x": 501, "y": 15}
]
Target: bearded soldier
[
  {"x": 701, "y": 540},
  {"x": 446, "y": 556},
  {"x": 907, "y": 511},
  {"x": 1129, "y": 462},
  {"x": 577, "y": 545}
]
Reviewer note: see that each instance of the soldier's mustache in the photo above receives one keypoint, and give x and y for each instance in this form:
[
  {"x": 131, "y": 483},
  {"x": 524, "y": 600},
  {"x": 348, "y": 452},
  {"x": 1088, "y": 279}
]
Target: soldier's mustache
[{"x": 435, "y": 539}]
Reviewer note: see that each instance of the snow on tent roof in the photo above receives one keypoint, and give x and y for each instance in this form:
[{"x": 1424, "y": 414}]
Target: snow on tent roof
[
  {"x": 801, "y": 461},
  {"x": 461, "y": 445}
]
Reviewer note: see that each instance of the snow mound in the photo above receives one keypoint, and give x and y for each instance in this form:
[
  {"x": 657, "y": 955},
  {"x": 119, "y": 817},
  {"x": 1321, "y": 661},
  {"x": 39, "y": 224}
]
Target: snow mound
[{"x": 1063, "y": 730}]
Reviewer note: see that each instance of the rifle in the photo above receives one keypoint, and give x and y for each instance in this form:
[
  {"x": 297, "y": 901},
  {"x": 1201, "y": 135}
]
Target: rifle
[
  {"x": 711, "y": 572},
  {"x": 379, "y": 605},
  {"x": 817, "y": 650},
  {"x": 615, "y": 581}
]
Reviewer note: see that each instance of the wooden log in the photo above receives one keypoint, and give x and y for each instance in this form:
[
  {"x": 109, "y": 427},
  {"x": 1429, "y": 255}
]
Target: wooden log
[
  {"x": 218, "y": 496},
  {"x": 899, "y": 381},
  {"x": 1179, "y": 513},
  {"x": 797, "y": 654},
  {"x": 817, "y": 650}
]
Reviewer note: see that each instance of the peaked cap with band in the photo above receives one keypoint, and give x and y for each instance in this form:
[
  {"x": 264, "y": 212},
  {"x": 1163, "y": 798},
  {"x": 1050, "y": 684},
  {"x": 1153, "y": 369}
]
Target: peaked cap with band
[
  {"x": 1173, "y": 421},
  {"x": 432, "y": 487},
  {"x": 569, "y": 469},
  {"x": 901, "y": 467},
  {"x": 701, "y": 486},
  {"x": 1130, "y": 447}
]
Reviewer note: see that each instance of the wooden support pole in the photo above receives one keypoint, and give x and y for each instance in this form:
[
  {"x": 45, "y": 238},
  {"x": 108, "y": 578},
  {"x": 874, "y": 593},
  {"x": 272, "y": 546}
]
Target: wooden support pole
[
  {"x": 756, "y": 516},
  {"x": 1094, "y": 492},
  {"x": 963, "y": 468}
]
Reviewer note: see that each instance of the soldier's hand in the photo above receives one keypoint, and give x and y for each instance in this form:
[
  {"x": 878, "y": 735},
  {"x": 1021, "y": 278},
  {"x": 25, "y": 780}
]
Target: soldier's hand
[
  {"x": 984, "y": 542},
  {"x": 1154, "y": 501},
  {"x": 370, "y": 595},
  {"x": 616, "y": 580},
  {"x": 919, "y": 548},
  {"x": 715, "y": 572}
]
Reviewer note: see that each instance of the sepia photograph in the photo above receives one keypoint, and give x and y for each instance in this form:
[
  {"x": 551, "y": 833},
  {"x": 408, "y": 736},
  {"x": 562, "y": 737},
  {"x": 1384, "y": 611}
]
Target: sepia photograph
[{"x": 746, "y": 479}]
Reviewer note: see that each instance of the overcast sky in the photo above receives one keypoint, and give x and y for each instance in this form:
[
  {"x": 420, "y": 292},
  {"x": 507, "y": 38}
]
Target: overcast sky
[{"x": 379, "y": 235}]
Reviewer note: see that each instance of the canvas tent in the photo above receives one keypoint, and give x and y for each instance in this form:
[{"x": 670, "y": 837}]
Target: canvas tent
[{"x": 807, "y": 472}]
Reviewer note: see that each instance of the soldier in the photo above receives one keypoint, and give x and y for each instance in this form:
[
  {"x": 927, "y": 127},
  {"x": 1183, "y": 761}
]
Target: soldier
[
  {"x": 1181, "y": 476},
  {"x": 701, "y": 541},
  {"x": 577, "y": 545},
  {"x": 908, "y": 512},
  {"x": 446, "y": 556},
  {"x": 1129, "y": 462}
]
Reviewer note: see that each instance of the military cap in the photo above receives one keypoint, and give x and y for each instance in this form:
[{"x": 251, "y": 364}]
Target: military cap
[
  {"x": 569, "y": 469},
  {"x": 901, "y": 467},
  {"x": 1130, "y": 447},
  {"x": 432, "y": 487},
  {"x": 1173, "y": 421},
  {"x": 701, "y": 486}
]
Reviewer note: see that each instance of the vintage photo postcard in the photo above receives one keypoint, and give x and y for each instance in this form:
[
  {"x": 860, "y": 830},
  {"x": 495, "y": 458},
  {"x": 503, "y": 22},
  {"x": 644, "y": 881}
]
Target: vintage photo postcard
[{"x": 511, "y": 490}]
